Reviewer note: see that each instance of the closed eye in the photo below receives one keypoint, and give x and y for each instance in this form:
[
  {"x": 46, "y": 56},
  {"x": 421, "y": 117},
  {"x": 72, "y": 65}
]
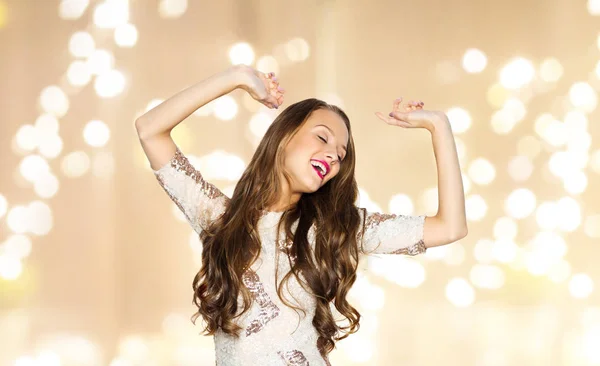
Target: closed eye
[{"x": 325, "y": 141}]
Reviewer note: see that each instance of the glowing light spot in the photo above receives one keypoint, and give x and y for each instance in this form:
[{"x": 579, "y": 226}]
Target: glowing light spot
[
  {"x": 46, "y": 186},
  {"x": 481, "y": 171},
  {"x": 593, "y": 7},
  {"x": 50, "y": 145},
  {"x": 72, "y": 9},
  {"x": 460, "y": 120},
  {"x": 505, "y": 228},
  {"x": 504, "y": 250},
  {"x": 40, "y": 219},
  {"x": 79, "y": 73},
  {"x": 497, "y": 95},
  {"x": 225, "y": 108},
  {"x": 551, "y": 70},
  {"x": 591, "y": 226},
  {"x": 547, "y": 215},
  {"x": 520, "y": 168},
  {"x": 476, "y": 208},
  {"x": 109, "y": 84},
  {"x": 259, "y": 123},
  {"x": 581, "y": 286},
  {"x": 27, "y": 138},
  {"x": 100, "y": 61},
  {"x": 17, "y": 219},
  {"x": 220, "y": 165},
  {"x": 517, "y": 73},
  {"x": 111, "y": 14},
  {"x": 575, "y": 183},
  {"x": 520, "y": 203},
  {"x": 17, "y": 246},
  {"x": 569, "y": 214},
  {"x": 126, "y": 35},
  {"x": 241, "y": 53},
  {"x": 54, "y": 101},
  {"x": 75, "y": 164},
  {"x": 583, "y": 96},
  {"x": 267, "y": 64},
  {"x": 297, "y": 49},
  {"x": 460, "y": 293},
  {"x": 46, "y": 124},
  {"x": 485, "y": 276},
  {"x": 172, "y": 8},
  {"x": 503, "y": 122},
  {"x": 33, "y": 167},
  {"x": 10, "y": 267},
  {"x": 82, "y": 44},
  {"x": 96, "y": 133},
  {"x": 474, "y": 61},
  {"x": 560, "y": 271},
  {"x": 401, "y": 204}
]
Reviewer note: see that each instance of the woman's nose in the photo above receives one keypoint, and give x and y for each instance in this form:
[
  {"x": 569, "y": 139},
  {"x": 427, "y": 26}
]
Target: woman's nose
[{"x": 331, "y": 158}]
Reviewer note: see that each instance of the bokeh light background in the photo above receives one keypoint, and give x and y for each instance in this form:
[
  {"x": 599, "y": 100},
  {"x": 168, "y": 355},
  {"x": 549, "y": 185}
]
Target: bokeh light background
[{"x": 96, "y": 263}]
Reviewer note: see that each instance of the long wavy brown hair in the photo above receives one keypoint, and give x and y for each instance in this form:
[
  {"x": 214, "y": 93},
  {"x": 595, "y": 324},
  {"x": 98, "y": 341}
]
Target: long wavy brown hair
[{"x": 231, "y": 243}]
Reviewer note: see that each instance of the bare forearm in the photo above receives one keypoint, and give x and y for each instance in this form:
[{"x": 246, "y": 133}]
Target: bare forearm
[
  {"x": 164, "y": 117},
  {"x": 451, "y": 198}
]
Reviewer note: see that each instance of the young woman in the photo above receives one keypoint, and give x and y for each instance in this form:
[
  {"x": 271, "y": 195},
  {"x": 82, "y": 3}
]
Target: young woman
[{"x": 292, "y": 212}]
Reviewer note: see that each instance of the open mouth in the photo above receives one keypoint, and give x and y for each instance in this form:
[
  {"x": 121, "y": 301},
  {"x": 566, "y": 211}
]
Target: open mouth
[
  {"x": 318, "y": 172},
  {"x": 321, "y": 167}
]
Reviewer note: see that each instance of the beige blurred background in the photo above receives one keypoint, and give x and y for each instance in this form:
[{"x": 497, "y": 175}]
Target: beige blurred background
[{"x": 96, "y": 263}]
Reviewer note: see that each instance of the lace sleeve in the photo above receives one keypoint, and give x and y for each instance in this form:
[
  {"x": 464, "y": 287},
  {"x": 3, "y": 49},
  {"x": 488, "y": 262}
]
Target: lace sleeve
[
  {"x": 390, "y": 233},
  {"x": 200, "y": 201}
]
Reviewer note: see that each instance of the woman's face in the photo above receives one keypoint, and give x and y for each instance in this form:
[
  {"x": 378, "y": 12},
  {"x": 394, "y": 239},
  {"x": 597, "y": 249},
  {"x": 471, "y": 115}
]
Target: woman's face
[{"x": 313, "y": 156}]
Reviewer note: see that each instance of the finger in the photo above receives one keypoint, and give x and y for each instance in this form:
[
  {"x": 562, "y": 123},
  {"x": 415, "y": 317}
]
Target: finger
[
  {"x": 386, "y": 119},
  {"x": 272, "y": 99},
  {"x": 397, "y": 104}
]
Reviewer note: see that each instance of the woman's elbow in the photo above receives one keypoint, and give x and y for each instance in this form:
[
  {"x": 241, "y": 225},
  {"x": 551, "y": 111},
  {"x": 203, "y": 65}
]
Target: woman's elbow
[
  {"x": 460, "y": 233},
  {"x": 145, "y": 129}
]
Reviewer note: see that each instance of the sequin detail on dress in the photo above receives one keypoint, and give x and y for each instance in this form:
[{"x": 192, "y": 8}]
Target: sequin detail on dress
[
  {"x": 181, "y": 162},
  {"x": 268, "y": 310},
  {"x": 392, "y": 234},
  {"x": 285, "y": 246},
  {"x": 415, "y": 249},
  {"x": 293, "y": 358},
  {"x": 201, "y": 202}
]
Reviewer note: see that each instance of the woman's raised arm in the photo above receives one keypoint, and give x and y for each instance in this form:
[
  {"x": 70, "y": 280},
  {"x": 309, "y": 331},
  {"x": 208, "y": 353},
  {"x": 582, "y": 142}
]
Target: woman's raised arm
[{"x": 154, "y": 127}]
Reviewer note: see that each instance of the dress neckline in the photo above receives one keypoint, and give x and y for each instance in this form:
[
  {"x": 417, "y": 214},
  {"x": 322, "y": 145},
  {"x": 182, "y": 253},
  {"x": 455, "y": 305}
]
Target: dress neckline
[{"x": 271, "y": 213}]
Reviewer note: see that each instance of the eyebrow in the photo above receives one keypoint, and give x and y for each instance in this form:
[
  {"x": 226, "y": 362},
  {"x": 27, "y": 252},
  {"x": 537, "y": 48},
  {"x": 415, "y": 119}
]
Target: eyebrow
[{"x": 330, "y": 130}]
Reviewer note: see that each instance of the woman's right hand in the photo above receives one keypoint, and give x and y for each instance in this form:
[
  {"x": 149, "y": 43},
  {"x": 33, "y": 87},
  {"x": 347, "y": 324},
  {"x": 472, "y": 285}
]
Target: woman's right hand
[{"x": 262, "y": 87}]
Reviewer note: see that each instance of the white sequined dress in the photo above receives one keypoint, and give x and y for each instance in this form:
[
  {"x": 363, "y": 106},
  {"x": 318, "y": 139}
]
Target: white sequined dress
[{"x": 275, "y": 334}]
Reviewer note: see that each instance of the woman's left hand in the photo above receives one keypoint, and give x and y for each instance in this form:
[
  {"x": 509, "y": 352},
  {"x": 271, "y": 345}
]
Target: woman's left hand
[{"x": 412, "y": 116}]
